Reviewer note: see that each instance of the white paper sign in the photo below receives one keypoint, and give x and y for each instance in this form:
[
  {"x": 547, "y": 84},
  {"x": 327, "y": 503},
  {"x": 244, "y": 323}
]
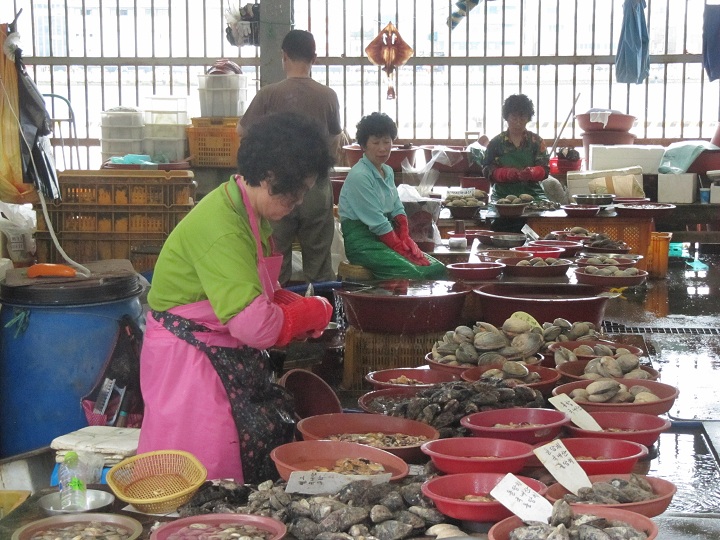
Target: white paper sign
[
  {"x": 528, "y": 231},
  {"x": 560, "y": 463},
  {"x": 579, "y": 416},
  {"x": 317, "y": 483},
  {"x": 521, "y": 499}
]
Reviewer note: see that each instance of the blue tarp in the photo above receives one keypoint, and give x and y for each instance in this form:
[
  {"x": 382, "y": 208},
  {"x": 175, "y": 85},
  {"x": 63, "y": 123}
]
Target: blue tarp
[
  {"x": 711, "y": 41},
  {"x": 632, "y": 63}
]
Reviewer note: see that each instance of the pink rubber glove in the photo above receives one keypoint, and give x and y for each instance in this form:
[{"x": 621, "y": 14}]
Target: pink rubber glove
[
  {"x": 532, "y": 174},
  {"x": 308, "y": 316},
  {"x": 506, "y": 174}
]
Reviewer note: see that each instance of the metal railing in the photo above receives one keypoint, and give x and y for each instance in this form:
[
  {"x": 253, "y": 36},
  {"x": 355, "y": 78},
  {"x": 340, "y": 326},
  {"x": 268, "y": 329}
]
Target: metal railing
[{"x": 101, "y": 54}]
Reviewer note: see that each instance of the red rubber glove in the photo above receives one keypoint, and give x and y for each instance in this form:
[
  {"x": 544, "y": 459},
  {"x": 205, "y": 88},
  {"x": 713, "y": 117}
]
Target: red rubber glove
[
  {"x": 394, "y": 242},
  {"x": 305, "y": 317},
  {"x": 532, "y": 174},
  {"x": 506, "y": 174},
  {"x": 418, "y": 257},
  {"x": 401, "y": 226},
  {"x": 283, "y": 297}
]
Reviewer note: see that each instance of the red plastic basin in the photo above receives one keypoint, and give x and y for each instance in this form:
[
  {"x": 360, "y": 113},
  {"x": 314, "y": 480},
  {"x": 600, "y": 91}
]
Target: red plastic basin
[
  {"x": 637, "y": 427},
  {"x": 477, "y": 454},
  {"x": 605, "y": 456},
  {"x": 482, "y": 424}
]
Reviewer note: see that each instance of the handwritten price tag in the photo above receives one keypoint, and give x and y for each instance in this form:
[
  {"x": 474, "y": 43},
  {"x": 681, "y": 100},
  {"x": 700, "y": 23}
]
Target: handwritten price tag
[
  {"x": 521, "y": 499},
  {"x": 579, "y": 416},
  {"x": 318, "y": 483},
  {"x": 562, "y": 465}
]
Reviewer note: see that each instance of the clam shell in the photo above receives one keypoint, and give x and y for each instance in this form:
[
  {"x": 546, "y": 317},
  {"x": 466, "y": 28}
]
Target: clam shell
[
  {"x": 602, "y": 389},
  {"x": 528, "y": 343},
  {"x": 609, "y": 367},
  {"x": 463, "y": 334},
  {"x": 562, "y": 355},
  {"x": 493, "y": 374},
  {"x": 552, "y": 332},
  {"x": 562, "y": 323},
  {"x": 491, "y": 357},
  {"x": 603, "y": 350},
  {"x": 516, "y": 370},
  {"x": 514, "y": 326},
  {"x": 628, "y": 362},
  {"x": 466, "y": 353},
  {"x": 489, "y": 341},
  {"x": 645, "y": 397},
  {"x": 584, "y": 350},
  {"x": 637, "y": 374}
]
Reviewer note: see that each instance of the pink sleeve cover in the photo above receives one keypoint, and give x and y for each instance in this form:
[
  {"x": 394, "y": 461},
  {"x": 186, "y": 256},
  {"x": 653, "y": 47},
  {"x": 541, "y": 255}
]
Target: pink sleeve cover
[{"x": 259, "y": 324}]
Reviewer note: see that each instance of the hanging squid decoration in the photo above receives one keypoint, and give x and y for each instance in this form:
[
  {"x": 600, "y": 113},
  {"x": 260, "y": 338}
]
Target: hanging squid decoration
[
  {"x": 461, "y": 11},
  {"x": 389, "y": 51}
]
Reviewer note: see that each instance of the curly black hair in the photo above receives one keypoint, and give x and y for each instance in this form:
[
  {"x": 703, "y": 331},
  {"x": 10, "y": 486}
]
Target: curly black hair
[
  {"x": 289, "y": 146},
  {"x": 518, "y": 104},
  {"x": 376, "y": 124}
]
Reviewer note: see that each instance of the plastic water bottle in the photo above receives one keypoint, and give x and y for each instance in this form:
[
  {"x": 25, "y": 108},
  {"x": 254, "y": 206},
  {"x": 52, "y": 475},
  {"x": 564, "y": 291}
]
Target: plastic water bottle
[{"x": 73, "y": 491}]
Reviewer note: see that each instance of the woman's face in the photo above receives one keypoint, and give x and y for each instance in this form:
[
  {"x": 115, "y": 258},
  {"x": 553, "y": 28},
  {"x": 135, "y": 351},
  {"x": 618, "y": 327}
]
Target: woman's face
[
  {"x": 377, "y": 149},
  {"x": 276, "y": 207},
  {"x": 517, "y": 122}
]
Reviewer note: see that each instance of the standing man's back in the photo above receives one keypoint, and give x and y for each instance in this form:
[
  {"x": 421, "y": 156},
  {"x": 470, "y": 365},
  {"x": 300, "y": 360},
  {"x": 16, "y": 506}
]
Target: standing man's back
[{"x": 312, "y": 223}]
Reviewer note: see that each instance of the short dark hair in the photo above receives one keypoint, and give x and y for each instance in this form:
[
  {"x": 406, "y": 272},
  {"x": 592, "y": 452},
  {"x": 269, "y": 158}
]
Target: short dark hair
[
  {"x": 376, "y": 124},
  {"x": 299, "y": 45},
  {"x": 518, "y": 104},
  {"x": 290, "y": 146}
]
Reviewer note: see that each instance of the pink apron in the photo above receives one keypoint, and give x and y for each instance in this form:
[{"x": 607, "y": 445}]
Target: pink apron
[{"x": 186, "y": 404}]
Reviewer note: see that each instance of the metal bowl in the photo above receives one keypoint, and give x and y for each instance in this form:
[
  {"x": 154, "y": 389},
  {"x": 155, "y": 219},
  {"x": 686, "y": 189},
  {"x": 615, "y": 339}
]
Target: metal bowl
[
  {"x": 97, "y": 501},
  {"x": 508, "y": 240},
  {"x": 597, "y": 199}
]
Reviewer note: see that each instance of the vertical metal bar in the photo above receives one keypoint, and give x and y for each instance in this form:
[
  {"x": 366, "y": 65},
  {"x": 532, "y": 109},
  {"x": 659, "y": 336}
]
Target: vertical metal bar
[
  {"x": 170, "y": 25},
  {"x": 414, "y": 76},
  {"x": 379, "y": 27},
  {"x": 684, "y": 76},
  {"x": 448, "y": 88},
  {"x": 344, "y": 52},
  {"x": 362, "y": 68}
]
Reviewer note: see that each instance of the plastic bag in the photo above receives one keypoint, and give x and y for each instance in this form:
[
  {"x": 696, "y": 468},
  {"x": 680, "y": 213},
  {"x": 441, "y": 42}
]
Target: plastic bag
[
  {"x": 422, "y": 213},
  {"x": 18, "y": 223}
]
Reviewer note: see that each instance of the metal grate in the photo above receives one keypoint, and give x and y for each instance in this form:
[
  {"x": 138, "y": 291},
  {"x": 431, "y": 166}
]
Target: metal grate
[{"x": 617, "y": 328}]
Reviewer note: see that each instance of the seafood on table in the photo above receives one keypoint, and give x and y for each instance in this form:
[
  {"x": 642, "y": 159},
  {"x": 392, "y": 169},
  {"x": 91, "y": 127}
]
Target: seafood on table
[
  {"x": 563, "y": 354},
  {"x": 539, "y": 261},
  {"x": 353, "y": 466},
  {"x": 624, "y": 366},
  {"x": 478, "y": 198},
  {"x": 613, "y": 391},
  {"x": 381, "y": 440},
  {"x": 220, "y": 531},
  {"x": 610, "y": 270},
  {"x": 614, "y": 491},
  {"x": 404, "y": 379},
  {"x": 444, "y": 405},
  {"x": 564, "y": 523},
  {"x": 87, "y": 530},
  {"x": 387, "y": 511},
  {"x": 512, "y": 372},
  {"x": 517, "y": 339}
]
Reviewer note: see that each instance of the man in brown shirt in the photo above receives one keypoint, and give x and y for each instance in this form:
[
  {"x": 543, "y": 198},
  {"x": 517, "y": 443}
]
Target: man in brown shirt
[{"x": 312, "y": 223}]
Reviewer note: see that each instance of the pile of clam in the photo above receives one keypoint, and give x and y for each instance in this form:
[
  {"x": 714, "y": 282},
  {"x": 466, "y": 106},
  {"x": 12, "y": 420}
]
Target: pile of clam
[
  {"x": 597, "y": 350},
  {"x": 611, "y": 270},
  {"x": 613, "y": 391},
  {"x": 485, "y": 344},
  {"x": 512, "y": 373},
  {"x": 525, "y": 198},
  {"x": 478, "y": 198},
  {"x": 625, "y": 366},
  {"x": 539, "y": 261},
  {"x": 601, "y": 260}
]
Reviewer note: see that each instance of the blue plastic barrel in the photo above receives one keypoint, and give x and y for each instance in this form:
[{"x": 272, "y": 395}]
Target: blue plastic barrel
[{"x": 54, "y": 342}]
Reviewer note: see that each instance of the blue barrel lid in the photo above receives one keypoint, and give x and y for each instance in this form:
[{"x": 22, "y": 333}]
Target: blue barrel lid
[{"x": 93, "y": 290}]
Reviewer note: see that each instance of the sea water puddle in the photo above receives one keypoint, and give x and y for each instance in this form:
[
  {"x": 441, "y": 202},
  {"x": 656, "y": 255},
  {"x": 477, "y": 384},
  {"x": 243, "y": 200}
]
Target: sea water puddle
[{"x": 684, "y": 457}]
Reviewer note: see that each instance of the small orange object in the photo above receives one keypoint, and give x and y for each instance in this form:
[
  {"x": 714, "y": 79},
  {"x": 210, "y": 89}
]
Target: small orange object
[{"x": 50, "y": 270}]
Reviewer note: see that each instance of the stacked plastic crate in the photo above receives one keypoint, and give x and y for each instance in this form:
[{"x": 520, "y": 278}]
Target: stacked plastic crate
[
  {"x": 213, "y": 137},
  {"x": 166, "y": 118},
  {"x": 115, "y": 214},
  {"x": 123, "y": 131}
]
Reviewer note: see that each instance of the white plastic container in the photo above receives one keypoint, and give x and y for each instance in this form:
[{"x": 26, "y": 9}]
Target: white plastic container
[
  {"x": 165, "y": 131},
  {"x": 222, "y": 102},
  {"x": 166, "y": 104},
  {"x": 618, "y": 156},
  {"x": 165, "y": 150},
  {"x": 677, "y": 188},
  {"x": 230, "y": 81},
  {"x": 122, "y": 132},
  {"x": 122, "y": 118},
  {"x": 166, "y": 117},
  {"x": 121, "y": 147}
]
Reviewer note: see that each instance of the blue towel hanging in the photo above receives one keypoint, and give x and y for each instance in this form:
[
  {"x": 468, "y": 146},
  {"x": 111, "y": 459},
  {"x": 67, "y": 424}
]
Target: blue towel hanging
[
  {"x": 711, "y": 41},
  {"x": 632, "y": 62}
]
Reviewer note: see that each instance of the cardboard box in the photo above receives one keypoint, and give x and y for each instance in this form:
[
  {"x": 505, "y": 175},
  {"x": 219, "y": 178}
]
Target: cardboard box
[
  {"x": 578, "y": 181},
  {"x": 626, "y": 155},
  {"x": 677, "y": 188}
]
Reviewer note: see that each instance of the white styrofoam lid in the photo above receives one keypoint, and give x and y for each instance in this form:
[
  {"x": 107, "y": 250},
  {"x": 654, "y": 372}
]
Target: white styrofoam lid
[{"x": 713, "y": 175}]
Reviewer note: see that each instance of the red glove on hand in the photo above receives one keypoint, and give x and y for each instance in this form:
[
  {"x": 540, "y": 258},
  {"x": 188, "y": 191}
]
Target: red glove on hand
[
  {"x": 401, "y": 226},
  {"x": 283, "y": 297},
  {"x": 304, "y": 317},
  {"x": 394, "y": 242},
  {"x": 506, "y": 174},
  {"x": 417, "y": 256},
  {"x": 532, "y": 174}
]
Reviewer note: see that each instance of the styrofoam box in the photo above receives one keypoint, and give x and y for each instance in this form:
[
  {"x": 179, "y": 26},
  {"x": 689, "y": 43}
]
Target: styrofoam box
[
  {"x": 122, "y": 132},
  {"x": 165, "y": 131},
  {"x": 626, "y": 155},
  {"x": 715, "y": 193},
  {"x": 122, "y": 118},
  {"x": 222, "y": 103},
  {"x": 121, "y": 147},
  {"x": 228, "y": 81},
  {"x": 161, "y": 150},
  {"x": 677, "y": 188}
]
